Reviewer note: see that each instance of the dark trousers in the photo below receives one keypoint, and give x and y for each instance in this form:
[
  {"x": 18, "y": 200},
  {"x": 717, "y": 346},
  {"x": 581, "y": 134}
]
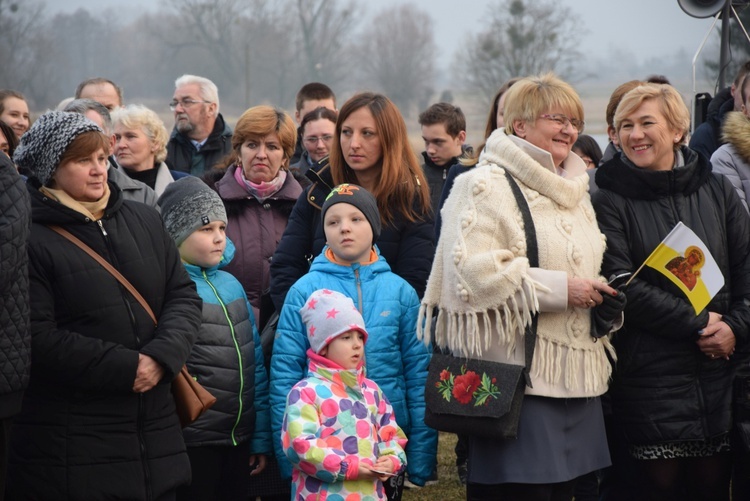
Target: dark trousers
[
  {"x": 740, "y": 473},
  {"x": 687, "y": 479},
  {"x": 4, "y": 442},
  {"x": 219, "y": 473},
  {"x": 562, "y": 491}
]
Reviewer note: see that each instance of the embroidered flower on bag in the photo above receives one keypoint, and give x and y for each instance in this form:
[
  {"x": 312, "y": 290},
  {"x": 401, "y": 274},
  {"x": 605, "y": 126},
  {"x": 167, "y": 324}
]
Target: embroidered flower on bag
[{"x": 467, "y": 386}]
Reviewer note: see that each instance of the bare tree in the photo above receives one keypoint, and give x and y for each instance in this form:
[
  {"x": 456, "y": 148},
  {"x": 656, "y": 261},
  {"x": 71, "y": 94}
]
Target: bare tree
[
  {"x": 323, "y": 29},
  {"x": 398, "y": 54},
  {"x": 522, "y": 37},
  {"x": 25, "y": 49}
]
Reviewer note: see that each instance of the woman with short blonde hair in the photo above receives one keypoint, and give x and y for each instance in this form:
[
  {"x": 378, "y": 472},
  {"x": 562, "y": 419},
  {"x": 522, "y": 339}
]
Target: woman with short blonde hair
[{"x": 141, "y": 146}]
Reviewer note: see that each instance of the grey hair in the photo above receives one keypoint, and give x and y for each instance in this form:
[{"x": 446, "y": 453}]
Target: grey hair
[
  {"x": 81, "y": 106},
  {"x": 208, "y": 90}
]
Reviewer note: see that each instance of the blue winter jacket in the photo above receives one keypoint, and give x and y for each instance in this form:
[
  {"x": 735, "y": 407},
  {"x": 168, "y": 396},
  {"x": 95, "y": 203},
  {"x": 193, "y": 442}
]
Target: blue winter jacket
[
  {"x": 395, "y": 359},
  {"x": 227, "y": 359}
]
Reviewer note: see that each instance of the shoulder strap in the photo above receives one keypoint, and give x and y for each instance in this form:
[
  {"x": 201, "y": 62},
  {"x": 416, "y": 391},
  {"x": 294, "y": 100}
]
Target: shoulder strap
[
  {"x": 111, "y": 269},
  {"x": 532, "y": 252}
]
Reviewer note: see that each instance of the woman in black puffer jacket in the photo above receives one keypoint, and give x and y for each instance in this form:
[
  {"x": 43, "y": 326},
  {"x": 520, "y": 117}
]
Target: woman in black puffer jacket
[
  {"x": 672, "y": 388},
  {"x": 98, "y": 419}
]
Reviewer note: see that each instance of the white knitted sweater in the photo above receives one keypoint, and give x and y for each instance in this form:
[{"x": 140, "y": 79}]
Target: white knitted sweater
[{"x": 480, "y": 284}]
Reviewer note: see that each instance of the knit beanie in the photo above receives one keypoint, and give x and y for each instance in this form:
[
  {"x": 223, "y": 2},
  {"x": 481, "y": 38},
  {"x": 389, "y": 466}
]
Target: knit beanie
[
  {"x": 358, "y": 197},
  {"x": 328, "y": 314},
  {"x": 44, "y": 143},
  {"x": 187, "y": 205}
]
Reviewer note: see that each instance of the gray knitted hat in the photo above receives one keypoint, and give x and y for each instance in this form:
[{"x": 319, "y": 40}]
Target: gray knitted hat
[
  {"x": 328, "y": 314},
  {"x": 358, "y": 197},
  {"x": 188, "y": 204},
  {"x": 44, "y": 143}
]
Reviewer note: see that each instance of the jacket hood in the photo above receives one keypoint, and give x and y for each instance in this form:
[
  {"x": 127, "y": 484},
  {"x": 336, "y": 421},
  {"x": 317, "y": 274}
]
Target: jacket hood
[
  {"x": 717, "y": 105},
  {"x": 635, "y": 182},
  {"x": 348, "y": 379},
  {"x": 226, "y": 258},
  {"x": 323, "y": 264},
  {"x": 46, "y": 211},
  {"x": 736, "y": 131}
]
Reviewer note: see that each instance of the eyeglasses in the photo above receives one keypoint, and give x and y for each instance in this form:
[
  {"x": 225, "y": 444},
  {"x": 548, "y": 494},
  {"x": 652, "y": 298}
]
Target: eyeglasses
[
  {"x": 313, "y": 140},
  {"x": 185, "y": 103},
  {"x": 563, "y": 121}
]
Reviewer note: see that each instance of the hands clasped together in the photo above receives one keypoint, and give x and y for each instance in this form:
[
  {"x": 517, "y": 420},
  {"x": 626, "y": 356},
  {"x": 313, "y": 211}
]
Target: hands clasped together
[{"x": 716, "y": 339}]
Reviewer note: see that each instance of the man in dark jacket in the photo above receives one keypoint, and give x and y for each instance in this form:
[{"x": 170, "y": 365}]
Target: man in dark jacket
[
  {"x": 444, "y": 133},
  {"x": 200, "y": 138},
  {"x": 15, "y": 339},
  {"x": 707, "y": 136}
]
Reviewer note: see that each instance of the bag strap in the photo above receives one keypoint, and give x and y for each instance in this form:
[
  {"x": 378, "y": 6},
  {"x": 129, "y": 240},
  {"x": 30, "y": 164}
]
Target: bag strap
[
  {"x": 111, "y": 269},
  {"x": 532, "y": 253}
]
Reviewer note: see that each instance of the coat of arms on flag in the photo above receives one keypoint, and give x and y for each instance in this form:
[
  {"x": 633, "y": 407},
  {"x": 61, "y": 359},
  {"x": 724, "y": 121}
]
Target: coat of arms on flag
[{"x": 685, "y": 260}]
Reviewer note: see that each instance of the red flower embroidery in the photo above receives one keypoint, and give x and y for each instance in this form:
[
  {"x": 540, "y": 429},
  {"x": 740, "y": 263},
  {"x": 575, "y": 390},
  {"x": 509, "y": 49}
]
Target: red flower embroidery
[
  {"x": 465, "y": 385},
  {"x": 445, "y": 375}
]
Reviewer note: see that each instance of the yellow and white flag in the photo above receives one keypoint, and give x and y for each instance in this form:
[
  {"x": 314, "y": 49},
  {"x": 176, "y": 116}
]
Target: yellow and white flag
[{"x": 684, "y": 259}]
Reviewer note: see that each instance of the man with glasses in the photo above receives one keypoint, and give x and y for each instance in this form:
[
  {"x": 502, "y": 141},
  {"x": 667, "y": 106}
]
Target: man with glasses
[{"x": 200, "y": 138}]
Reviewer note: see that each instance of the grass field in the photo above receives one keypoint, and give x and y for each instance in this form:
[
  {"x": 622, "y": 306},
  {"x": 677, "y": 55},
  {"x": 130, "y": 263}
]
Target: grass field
[{"x": 448, "y": 487}]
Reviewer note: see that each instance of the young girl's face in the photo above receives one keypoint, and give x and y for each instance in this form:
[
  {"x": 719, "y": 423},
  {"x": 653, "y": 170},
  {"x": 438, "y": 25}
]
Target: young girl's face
[
  {"x": 346, "y": 350},
  {"x": 348, "y": 233},
  {"x": 205, "y": 246}
]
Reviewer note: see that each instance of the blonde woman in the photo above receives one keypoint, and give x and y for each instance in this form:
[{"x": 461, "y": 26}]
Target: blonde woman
[{"x": 141, "y": 147}]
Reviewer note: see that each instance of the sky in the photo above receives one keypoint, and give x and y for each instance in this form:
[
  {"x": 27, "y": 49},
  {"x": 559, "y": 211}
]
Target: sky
[{"x": 648, "y": 28}]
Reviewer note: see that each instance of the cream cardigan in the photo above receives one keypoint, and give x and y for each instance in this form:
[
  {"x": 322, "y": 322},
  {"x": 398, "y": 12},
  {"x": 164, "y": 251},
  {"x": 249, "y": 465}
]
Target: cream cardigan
[{"x": 481, "y": 284}]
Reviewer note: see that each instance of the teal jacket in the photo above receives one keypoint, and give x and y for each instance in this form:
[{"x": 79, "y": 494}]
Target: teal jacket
[{"x": 227, "y": 360}]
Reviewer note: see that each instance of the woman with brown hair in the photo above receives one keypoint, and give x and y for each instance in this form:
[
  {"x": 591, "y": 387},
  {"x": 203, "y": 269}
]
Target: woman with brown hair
[
  {"x": 370, "y": 149},
  {"x": 258, "y": 193}
]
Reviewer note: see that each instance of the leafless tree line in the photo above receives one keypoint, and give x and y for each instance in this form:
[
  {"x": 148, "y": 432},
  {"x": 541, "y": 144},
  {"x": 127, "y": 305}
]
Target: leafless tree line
[{"x": 262, "y": 51}]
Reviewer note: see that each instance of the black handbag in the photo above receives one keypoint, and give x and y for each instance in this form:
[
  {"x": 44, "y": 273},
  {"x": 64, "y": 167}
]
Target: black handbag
[{"x": 480, "y": 397}]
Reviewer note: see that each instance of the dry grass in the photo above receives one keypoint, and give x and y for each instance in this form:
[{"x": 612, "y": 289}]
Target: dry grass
[{"x": 448, "y": 487}]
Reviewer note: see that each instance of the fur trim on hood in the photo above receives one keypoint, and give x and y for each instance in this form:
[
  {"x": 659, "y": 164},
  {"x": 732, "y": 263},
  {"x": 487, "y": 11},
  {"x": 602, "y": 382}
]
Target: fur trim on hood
[{"x": 736, "y": 131}]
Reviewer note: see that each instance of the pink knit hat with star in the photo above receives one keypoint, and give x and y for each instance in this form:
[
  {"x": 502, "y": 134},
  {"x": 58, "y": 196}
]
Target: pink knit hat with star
[{"x": 328, "y": 314}]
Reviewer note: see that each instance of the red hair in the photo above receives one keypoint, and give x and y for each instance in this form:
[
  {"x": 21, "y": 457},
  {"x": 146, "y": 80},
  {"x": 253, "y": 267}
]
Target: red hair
[{"x": 401, "y": 187}]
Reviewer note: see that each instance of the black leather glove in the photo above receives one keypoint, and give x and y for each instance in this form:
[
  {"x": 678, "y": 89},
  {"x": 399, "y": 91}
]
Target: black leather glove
[{"x": 604, "y": 316}]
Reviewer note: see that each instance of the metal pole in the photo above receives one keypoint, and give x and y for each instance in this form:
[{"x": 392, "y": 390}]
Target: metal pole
[{"x": 724, "y": 54}]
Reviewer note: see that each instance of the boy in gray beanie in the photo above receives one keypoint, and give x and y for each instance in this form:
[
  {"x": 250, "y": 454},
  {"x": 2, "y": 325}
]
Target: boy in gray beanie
[
  {"x": 227, "y": 355},
  {"x": 187, "y": 205}
]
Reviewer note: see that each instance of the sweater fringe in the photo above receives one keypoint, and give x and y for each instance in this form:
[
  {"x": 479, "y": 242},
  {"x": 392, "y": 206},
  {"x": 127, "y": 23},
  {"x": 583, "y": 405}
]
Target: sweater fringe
[
  {"x": 548, "y": 366},
  {"x": 469, "y": 333}
]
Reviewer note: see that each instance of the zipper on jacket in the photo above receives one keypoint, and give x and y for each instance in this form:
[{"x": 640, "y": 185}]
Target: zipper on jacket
[
  {"x": 128, "y": 307},
  {"x": 239, "y": 354},
  {"x": 142, "y": 448},
  {"x": 141, "y": 412},
  {"x": 359, "y": 289}
]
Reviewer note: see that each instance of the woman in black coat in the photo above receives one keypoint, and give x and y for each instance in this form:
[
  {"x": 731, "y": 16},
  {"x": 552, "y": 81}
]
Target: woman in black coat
[
  {"x": 671, "y": 392},
  {"x": 98, "y": 419}
]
